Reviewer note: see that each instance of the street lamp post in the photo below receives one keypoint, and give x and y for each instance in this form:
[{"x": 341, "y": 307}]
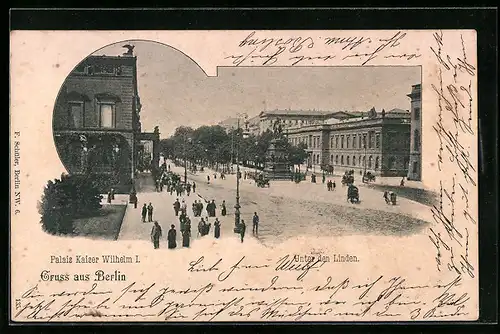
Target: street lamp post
[
  {"x": 237, "y": 205},
  {"x": 185, "y": 158}
]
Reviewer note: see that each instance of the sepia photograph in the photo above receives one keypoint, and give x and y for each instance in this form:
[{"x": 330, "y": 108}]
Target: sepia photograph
[
  {"x": 158, "y": 150},
  {"x": 244, "y": 176}
]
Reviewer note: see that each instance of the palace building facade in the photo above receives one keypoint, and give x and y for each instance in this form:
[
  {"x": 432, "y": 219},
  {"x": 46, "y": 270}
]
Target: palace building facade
[
  {"x": 369, "y": 141},
  {"x": 96, "y": 121}
]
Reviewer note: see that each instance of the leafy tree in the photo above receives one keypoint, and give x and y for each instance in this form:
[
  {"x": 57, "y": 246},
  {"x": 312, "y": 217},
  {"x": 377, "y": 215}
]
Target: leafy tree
[{"x": 63, "y": 200}]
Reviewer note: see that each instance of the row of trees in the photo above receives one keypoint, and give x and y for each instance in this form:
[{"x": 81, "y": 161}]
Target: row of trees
[{"x": 213, "y": 145}]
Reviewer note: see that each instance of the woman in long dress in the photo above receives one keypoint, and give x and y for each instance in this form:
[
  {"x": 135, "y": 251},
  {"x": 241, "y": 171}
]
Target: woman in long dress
[
  {"x": 185, "y": 238},
  {"x": 172, "y": 235},
  {"x": 216, "y": 228}
]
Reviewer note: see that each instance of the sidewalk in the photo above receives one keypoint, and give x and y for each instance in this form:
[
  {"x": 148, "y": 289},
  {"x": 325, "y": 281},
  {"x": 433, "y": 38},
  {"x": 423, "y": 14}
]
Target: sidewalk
[{"x": 134, "y": 229}]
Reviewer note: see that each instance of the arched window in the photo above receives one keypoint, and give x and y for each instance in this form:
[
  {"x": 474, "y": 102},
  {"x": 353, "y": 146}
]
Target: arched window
[
  {"x": 377, "y": 163},
  {"x": 354, "y": 141},
  {"x": 416, "y": 140},
  {"x": 348, "y": 160},
  {"x": 342, "y": 160},
  {"x": 331, "y": 159},
  {"x": 359, "y": 161},
  {"x": 354, "y": 160},
  {"x": 370, "y": 161}
]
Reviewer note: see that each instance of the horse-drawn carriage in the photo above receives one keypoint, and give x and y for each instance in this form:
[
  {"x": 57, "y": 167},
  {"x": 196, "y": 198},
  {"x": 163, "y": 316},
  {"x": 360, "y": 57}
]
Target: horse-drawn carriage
[
  {"x": 328, "y": 169},
  {"x": 262, "y": 182},
  {"x": 353, "y": 194},
  {"x": 347, "y": 179},
  {"x": 369, "y": 177}
]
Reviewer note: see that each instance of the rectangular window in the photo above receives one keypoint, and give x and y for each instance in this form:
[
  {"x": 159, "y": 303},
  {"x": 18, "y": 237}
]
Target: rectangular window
[
  {"x": 75, "y": 115},
  {"x": 341, "y": 141},
  {"x": 354, "y": 141},
  {"x": 106, "y": 115}
]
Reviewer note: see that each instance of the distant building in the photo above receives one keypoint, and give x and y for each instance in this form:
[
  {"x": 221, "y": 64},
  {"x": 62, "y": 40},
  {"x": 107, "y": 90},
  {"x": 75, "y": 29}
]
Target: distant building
[
  {"x": 96, "y": 120},
  {"x": 250, "y": 125},
  {"x": 297, "y": 118},
  {"x": 371, "y": 141},
  {"x": 415, "y": 167}
]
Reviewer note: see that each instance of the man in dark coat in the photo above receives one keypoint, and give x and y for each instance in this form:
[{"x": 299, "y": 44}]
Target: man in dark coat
[
  {"x": 144, "y": 212},
  {"x": 156, "y": 235},
  {"x": 194, "y": 187},
  {"x": 150, "y": 212},
  {"x": 255, "y": 220},
  {"x": 177, "y": 207},
  {"x": 172, "y": 235},
  {"x": 185, "y": 238},
  {"x": 217, "y": 228},
  {"x": 201, "y": 227},
  {"x": 223, "y": 208},
  {"x": 243, "y": 227},
  {"x": 187, "y": 226}
]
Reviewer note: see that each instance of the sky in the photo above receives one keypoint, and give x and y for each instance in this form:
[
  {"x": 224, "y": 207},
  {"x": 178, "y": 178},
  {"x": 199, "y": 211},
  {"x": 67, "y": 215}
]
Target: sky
[{"x": 175, "y": 91}]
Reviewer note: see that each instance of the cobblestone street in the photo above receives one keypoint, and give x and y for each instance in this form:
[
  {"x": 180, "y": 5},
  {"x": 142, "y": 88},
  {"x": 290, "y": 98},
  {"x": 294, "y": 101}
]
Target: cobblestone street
[{"x": 286, "y": 210}]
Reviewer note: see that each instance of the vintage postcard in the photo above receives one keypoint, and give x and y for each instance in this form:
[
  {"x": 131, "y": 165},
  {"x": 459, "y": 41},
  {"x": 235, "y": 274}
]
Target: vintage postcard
[{"x": 243, "y": 176}]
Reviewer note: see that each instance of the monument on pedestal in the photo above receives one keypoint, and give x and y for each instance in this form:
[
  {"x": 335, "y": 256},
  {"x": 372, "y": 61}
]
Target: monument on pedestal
[{"x": 276, "y": 165}]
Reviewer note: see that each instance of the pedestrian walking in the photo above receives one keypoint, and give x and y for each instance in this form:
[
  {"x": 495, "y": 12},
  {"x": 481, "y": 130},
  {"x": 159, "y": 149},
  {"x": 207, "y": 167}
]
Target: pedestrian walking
[
  {"x": 223, "y": 208},
  {"x": 134, "y": 200},
  {"x": 184, "y": 207},
  {"x": 194, "y": 187},
  {"x": 386, "y": 197},
  {"x": 333, "y": 185},
  {"x": 208, "y": 179},
  {"x": 112, "y": 192},
  {"x": 109, "y": 197},
  {"x": 185, "y": 238},
  {"x": 402, "y": 183},
  {"x": 177, "y": 207},
  {"x": 255, "y": 228},
  {"x": 194, "y": 207},
  {"x": 216, "y": 228},
  {"x": 156, "y": 235},
  {"x": 323, "y": 178},
  {"x": 144, "y": 212},
  {"x": 150, "y": 212},
  {"x": 172, "y": 235},
  {"x": 201, "y": 225},
  {"x": 243, "y": 227}
]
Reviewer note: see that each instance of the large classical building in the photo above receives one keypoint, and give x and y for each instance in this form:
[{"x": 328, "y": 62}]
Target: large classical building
[
  {"x": 96, "y": 120},
  {"x": 360, "y": 141},
  {"x": 298, "y": 118},
  {"x": 415, "y": 167}
]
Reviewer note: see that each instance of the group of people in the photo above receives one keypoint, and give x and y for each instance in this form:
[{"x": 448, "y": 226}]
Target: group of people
[
  {"x": 331, "y": 185},
  {"x": 173, "y": 182},
  {"x": 147, "y": 210},
  {"x": 156, "y": 234},
  {"x": 390, "y": 197}
]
